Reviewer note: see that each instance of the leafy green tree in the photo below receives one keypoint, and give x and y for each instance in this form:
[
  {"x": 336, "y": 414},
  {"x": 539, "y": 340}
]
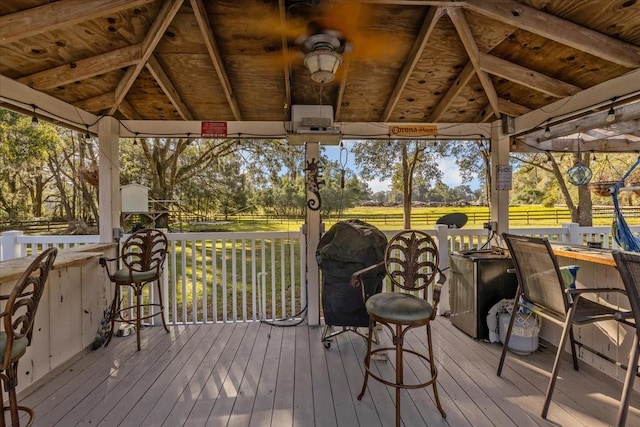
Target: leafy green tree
[
  {"x": 402, "y": 161},
  {"x": 24, "y": 175}
]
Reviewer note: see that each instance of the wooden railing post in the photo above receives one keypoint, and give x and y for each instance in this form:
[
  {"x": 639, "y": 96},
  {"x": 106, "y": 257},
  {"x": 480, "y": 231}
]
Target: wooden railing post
[{"x": 573, "y": 233}]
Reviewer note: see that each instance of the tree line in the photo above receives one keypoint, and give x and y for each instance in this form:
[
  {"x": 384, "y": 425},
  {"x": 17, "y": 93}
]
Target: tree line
[{"x": 47, "y": 171}]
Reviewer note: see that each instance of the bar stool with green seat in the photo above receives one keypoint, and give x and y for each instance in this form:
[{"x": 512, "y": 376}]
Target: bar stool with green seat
[
  {"x": 411, "y": 263},
  {"x": 18, "y": 317},
  {"x": 142, "y": 256}
]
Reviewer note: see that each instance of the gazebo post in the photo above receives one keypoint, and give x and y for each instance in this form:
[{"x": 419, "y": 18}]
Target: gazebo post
[
  {"x": 109, "y": 177},
  {"x": 313, "y": 231},
  {"x": 500, "y": 178}
]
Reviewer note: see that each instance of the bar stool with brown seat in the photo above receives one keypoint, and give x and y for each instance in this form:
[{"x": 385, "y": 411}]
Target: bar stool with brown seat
[
  {"x": 411, "y": 263},
  {"x": 142, "y": 256},
  {"x": 18, "y": 317}
]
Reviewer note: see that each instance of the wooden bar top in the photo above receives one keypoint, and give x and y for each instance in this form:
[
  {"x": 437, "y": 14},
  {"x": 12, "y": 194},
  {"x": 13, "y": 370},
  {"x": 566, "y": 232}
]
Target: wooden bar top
[
  {"x": 10, "y": 270},
  {"x": 598, "y": 256}
]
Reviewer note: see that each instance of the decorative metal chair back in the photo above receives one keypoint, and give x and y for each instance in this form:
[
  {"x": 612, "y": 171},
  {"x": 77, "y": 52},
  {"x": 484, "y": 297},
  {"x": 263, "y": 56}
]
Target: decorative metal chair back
[
  {"x": 411, "y": 261},
  {"x": 145, "y": 250},
  {"x": 22, "y": 304}
]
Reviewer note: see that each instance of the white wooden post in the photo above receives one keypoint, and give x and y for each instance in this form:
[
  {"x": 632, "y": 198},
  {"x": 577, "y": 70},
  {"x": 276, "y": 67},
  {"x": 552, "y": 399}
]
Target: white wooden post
[
  {"x": 499, "y": 193},
  {"x": 109, "y": 177},
  {"x": 573, "y": 233},
  {"x": 313, "y": 230},
  {"x": 442, "y": 233},
  {"x": 9, "y": 246}
]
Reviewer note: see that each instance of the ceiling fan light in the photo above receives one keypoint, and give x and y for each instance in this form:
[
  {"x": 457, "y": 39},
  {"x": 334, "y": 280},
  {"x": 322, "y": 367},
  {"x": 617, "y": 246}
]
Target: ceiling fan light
[{"x": 323, "y": 64}]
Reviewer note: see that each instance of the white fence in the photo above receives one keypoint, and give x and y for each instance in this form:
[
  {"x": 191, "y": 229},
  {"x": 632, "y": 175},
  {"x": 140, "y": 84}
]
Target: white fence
[{"x": 231, "y": 277}]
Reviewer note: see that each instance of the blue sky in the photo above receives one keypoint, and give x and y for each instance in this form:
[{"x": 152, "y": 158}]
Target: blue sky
[{"x": 451, "y": 173}]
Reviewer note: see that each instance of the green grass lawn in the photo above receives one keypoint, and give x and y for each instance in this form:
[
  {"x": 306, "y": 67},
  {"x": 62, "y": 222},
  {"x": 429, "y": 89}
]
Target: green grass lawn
[{"x": 390, "y": 218}]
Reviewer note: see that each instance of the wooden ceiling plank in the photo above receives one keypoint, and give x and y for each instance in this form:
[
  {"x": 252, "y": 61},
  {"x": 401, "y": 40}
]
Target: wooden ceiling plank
[
  {"x": 154, "y": 34},
  {"x": 428, "y": 25},
  {"x": 97, "y": 103},
  {"x": 84, "y": 68},
  {"x": 484, "y": 114},
  {"x": 462, "y": 27},
  {"x": 53, "y": 16},
  {"x": 526, "y": 76},
  {"x": 216, "y": 57},
  {"x": 128, "y": 111},
  {"x": 168, "y": 88},
  {"x": 454, "y": 90},
  {"x": 559, "y": 30}
]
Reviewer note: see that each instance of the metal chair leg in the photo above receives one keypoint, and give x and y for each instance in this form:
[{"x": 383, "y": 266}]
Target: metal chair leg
[
  {"x": 505, "y": 347},
  {"x": 367, "y": 360},
  {"x": 164, "y": 323},
  {"x": 632, "y": 370},
  {"x": 566, "y": 332},
  {"x": 434, "y": 372}
]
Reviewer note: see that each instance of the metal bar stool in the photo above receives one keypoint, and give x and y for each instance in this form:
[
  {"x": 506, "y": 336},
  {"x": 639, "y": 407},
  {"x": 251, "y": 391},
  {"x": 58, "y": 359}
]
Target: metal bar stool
[
  {"x": 18, "y": 316},
  {"x": 142, "y": 257},
  {"x": 411, "y": 263}
]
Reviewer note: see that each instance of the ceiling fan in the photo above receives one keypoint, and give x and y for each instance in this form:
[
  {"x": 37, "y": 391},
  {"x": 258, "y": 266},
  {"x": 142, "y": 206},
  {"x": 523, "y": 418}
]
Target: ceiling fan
[{"x": 325, "y": 34}]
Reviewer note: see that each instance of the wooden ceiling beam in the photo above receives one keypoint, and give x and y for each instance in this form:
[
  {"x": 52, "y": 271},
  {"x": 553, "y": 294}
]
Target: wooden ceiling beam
[
  {"x": 56, "y": 15},
  {"x": 627, "y": 121},
  {"x": 84, "y": 68},
  {"x": 462, "y": 27},
  {"x": 344, "y": 68},
  {"x": 560, "y": 30},
  {"x": 454, "y": 90},
  {"x": 286, "y": 67},
  {"x": 428, "y": 25},
  {"x": 214, "y": 53},
  {"x": 570, "y": 145},
  {"x": 511, "y": 108},
  {"x": 525, "y": 76},
  {"x": 168, "y": 88},
  {"x": 154, "y": 34}
]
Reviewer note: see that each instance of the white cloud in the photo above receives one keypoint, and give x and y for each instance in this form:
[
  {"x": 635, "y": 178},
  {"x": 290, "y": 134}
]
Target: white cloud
[
  {"x": 451, "y": 173},
  {"x": 377, "y": 185}
]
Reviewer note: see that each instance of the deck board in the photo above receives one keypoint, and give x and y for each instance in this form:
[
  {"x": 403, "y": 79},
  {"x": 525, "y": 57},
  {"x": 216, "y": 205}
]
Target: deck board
[{"x": 255, "y": 374}]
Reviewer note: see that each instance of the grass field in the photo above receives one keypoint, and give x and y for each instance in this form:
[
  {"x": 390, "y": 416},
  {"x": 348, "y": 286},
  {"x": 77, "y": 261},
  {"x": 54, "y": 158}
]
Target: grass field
[{"x": 390, "y": 218}]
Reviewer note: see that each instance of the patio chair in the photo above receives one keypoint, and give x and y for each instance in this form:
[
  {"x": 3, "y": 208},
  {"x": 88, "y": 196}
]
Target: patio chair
[
  {"x": 628, "y": 264},
  {"x": 18, "y": 317},
  {"x": 542, "y": 290},
  {"x": 142, "y": 257},
  {"x": 411, "y": 263}
]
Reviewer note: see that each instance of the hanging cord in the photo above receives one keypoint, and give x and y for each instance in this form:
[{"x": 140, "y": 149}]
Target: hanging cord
[{"x": 344, "y": 156}]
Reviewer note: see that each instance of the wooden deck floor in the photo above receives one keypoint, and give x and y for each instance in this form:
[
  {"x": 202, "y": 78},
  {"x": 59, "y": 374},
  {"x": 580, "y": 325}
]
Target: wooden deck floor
[{"x": 258, "y": 375}]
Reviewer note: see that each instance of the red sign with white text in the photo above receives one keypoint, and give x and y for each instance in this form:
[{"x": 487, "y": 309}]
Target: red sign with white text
[{"x": 213, "y": 129}]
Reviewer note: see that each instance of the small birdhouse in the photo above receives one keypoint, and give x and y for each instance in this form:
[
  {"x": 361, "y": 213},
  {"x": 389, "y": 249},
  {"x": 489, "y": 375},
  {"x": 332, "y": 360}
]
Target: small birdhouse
[{"x": 135, "y": 198}]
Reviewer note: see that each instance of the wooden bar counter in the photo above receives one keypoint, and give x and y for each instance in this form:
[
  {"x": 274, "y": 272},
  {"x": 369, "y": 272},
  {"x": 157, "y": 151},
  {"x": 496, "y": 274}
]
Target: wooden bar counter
[{"x": 72, "y": 306}]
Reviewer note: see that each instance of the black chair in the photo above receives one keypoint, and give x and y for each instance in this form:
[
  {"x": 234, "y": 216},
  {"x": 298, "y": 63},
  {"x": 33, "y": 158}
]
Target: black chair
[
  {"x": 142, "y": 257},
  {"x": 628, "y": 264},
  {"x": 411, "y": 263},
  {"x": 18, "y": 317},
  {"x": 542, "y": 290}
]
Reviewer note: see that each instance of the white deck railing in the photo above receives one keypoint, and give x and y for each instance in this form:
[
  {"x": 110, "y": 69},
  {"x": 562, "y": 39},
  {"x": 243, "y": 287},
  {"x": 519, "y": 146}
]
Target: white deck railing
[{"x": 235, "y": 277}]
